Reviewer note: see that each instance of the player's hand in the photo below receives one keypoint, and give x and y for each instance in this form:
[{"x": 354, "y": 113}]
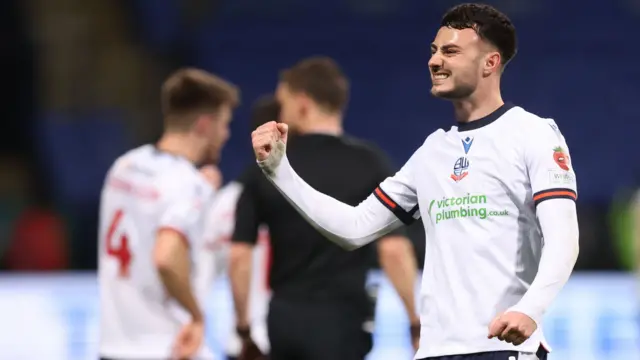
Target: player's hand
[
  {"x": 189, "y": 340},
  {"x": 250, "y": 351},
  {"x": 213, "y": 175},
  {"x": 269, "y": 144},
  {"x": 415, "y": 335},
  {"x": 513, "y": 327}
]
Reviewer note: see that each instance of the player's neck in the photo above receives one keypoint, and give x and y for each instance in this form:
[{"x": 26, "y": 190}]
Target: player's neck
[
  {"x": 180, "y": 145},
  {"x": 329, "y": 125},
  {"x": 477, "y": 106}
]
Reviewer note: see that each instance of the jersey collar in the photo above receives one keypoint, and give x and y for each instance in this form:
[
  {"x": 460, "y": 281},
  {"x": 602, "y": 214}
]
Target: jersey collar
[
  {"x": 477, "y": 124},
  {"x": 159, "y": 152}
]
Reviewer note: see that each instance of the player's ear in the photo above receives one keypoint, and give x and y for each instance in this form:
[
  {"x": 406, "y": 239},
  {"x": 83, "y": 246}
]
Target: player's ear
[
  {"x": 200, "y": 124},
  {"x": 305, "y": 104},
  {"x": 492, "y": 63}
]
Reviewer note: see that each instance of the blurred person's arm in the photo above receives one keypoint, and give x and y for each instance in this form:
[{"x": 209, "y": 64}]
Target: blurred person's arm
[
  {"x": 396, "y": 253},
  {"x": 348, "y": 226},
  {"x": 171, "y": 258},
  {"x": 398, "y": 261},
  {"x": 178, "y": 225},
  {"x": 245, "y": 235}
]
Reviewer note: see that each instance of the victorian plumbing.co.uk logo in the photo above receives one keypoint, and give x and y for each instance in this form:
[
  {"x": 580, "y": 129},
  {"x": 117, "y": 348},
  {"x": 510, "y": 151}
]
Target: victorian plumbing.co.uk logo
[{"x": 463, "y": 207}]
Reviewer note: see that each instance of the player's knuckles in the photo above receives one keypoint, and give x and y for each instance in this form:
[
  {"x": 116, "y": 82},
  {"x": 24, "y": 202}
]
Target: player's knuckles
[
  {"x": 268, "y": 127},
  {"x": 257, "y": 142},
  {"x": 257, "y": 134},
  {"x": 262, "y": 142}
]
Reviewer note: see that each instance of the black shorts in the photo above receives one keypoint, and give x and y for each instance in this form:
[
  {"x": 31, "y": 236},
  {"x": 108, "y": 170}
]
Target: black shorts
[
  {"x": 316, "y": 331},
  {"x": 541, "y": 354}
]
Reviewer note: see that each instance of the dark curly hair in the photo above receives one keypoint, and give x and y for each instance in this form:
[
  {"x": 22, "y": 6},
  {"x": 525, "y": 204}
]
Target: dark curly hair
[{"x": 489, "y": 23}]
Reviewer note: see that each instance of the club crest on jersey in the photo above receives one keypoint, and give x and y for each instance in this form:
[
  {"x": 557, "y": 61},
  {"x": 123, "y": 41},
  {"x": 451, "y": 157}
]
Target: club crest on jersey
[{"x": 460, "y": 169}]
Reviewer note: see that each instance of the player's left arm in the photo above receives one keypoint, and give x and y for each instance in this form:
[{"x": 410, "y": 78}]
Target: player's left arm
[
  {"x": 177, "y": 229},
  {"x": 171, "y": 257},
  {"x": 553, "y": 184}
]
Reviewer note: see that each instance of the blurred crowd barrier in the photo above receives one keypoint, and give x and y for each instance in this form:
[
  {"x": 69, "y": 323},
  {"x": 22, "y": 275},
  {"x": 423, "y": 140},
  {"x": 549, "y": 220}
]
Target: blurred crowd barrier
[{"x": 55, "y": 317}]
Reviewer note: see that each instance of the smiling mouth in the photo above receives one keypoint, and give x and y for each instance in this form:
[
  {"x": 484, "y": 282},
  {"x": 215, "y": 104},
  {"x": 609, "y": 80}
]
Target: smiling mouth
[{"x": 440, "y": 76}]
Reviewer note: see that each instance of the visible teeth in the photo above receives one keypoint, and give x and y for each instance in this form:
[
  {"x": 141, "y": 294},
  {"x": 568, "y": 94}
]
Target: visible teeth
[{"x": 441, "y": 76}]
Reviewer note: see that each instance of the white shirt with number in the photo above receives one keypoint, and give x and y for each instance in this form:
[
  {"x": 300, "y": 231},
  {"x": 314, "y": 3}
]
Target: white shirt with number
[
  {"x": 144, "y": 191},
  {"x": 477, "y": 187},
  {"x": 218, "y": 231}
]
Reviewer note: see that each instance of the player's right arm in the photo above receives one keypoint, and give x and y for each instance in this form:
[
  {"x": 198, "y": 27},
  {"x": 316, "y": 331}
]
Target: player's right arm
[
  {"x": 391, "y": 204},
  {"x": 245, "y": 234}
]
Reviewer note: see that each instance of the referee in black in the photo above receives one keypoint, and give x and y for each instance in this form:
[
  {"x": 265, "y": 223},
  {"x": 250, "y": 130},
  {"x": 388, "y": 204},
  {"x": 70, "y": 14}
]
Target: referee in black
[{"x": 320, "y": 308}]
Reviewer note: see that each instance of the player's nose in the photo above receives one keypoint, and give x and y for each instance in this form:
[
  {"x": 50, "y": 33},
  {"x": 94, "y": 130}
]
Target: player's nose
[{"x": 435, "y": 61}]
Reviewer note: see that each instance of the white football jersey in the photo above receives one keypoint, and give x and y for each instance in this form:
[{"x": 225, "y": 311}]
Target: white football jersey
[
  {"x": 144, "y": 191},
  {"x": 476, "y": 188},
  {"x": 218, "y": 231}
]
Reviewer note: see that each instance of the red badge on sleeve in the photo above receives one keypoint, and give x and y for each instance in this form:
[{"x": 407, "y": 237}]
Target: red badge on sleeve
[{"x": 561, "y": 158}]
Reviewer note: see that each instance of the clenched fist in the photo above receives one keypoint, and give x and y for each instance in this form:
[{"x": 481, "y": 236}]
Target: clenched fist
[
  {"x": 513, "y": 327},
  {"x": 269, "y": 144}
]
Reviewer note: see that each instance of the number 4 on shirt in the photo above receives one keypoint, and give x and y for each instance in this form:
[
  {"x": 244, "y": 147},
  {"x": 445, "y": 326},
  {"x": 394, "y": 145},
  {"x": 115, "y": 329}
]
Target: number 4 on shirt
[{"x": 119, "y": 251}]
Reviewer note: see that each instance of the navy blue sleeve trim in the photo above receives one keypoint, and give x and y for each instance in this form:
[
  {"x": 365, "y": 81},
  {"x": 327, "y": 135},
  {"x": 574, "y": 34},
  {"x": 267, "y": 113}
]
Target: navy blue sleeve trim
[
  {"x": 405, "y": 216},
  {"x": 555, "y": 193}
]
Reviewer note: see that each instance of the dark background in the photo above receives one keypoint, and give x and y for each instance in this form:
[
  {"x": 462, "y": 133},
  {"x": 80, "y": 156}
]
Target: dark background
[{"x": 80, "y": 84}]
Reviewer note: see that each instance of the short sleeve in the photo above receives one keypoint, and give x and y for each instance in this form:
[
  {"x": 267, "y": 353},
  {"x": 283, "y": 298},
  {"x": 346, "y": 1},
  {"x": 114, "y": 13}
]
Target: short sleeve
[
  {"x": 548, "y": 165},
  {"x": 183, "y": 211},
  {"x": 247, "y": 216},
  {"x": 398, "y": 192}
]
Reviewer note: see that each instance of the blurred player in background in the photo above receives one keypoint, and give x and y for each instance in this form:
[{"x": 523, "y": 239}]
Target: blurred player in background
[
  {"x": 151, "y": 226},
  {"x": 320, "y": 308},
  {"x": 489, "y": 190},
  {"x": 220, "y": 225}
]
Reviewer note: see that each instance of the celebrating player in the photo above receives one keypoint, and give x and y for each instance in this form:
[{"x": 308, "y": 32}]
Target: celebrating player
[
  {"x": 489, "y": 189},
  {"x": 151, "y": 222}
]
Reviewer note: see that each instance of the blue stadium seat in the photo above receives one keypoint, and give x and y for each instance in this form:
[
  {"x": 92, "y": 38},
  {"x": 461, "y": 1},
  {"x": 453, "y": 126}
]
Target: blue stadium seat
[{"x": 78, "y": 149}]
